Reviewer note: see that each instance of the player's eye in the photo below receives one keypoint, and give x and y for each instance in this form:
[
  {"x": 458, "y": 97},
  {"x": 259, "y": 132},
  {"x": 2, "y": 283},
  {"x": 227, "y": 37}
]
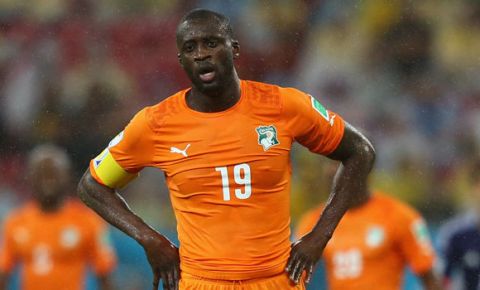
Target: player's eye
[
  {"x": 212, "y": 43},
  {"x": 188, "y": 47}
]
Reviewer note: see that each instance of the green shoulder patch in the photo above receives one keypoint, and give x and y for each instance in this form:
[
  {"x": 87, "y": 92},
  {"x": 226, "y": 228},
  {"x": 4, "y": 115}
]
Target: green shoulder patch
[{"x": 320, "y": 108}]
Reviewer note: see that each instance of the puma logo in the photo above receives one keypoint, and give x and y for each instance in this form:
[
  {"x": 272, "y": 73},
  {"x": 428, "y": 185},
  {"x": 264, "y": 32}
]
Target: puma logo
[{"x": 176, "y": 150}]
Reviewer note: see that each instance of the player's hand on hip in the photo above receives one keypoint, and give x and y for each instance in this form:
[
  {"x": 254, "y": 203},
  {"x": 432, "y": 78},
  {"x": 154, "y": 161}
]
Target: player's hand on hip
[
  {"x": 164, "y": 261},
  {"x": 304, "y": 255}
]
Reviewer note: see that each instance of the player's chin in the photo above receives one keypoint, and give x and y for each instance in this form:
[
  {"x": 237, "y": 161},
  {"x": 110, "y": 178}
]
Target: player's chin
[{"x": 209, "y": 87}]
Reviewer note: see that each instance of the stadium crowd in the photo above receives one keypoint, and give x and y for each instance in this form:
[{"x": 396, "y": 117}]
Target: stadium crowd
[{"x": 405, "y": 72}]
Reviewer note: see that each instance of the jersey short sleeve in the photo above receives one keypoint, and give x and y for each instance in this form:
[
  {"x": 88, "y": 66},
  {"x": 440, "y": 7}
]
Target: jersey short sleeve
[
  {"x": 313, "y": 126},
  {"x": 414, "y": 240},
  {"x": 128, "y": 153},
  {"x": 7, "y": 251}
]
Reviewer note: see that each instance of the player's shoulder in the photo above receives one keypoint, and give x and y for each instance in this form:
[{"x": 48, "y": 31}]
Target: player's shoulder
[
  {"x": 20, "y": 215},
  {"x": 263, "y": 98},
  {"x": 466, "y": 231},
  {"x": 169, "y": 107},
  {"x": 270, "y": 94},
  {"x": 264, "y": 93},
  {"x": 271, "y": 98},
  {"x": 394, "y": 206},
  {"x": 386, "y": 199},
  {"x": 458, "y": 226}
]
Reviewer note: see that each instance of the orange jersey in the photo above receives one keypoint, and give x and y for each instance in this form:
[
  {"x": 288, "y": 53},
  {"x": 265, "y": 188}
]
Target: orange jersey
[
  {"x": 280, "y": 282},
  {"x": 372, "y": 244},
  {"x": 55, "y": 248},
  {"x": 228, "y": 173}
]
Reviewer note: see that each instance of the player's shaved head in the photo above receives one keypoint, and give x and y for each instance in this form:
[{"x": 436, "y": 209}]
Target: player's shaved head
[
  {"x": 206, "y": 47},
  {"x": 48, "y": 152},
  {"x": 204, "y": 15},
  {"x": 49, "y": 175}
]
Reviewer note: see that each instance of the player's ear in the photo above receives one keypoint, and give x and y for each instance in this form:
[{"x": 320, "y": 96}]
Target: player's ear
[
  {"x": 179, "y": 59},
  {"x": 236, "y": 49}
]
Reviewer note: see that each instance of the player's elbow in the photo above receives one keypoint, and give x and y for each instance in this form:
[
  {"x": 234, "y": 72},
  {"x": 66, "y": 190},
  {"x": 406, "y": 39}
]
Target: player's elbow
[
  {"x": 366, "y": 153},
  {"x": 354, "y": 149},
  {"x": 361, "y": 152},
  {"x": 84, "y": 187}
]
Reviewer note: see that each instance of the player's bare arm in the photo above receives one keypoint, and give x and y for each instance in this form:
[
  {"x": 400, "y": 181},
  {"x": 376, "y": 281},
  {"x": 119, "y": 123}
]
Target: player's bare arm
[
  {"x": 430, "y": 281},
  {"x": 162, "y": 254},
  {"x": 357, "y": 156}
]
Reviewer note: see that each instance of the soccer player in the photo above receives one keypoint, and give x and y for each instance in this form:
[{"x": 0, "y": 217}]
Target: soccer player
[
  {"x": 460, "y": 238},
  {"x": 224, "y": 147},
  {"x": 54, "y": 238},
  {"x": 376, "y": 238}
]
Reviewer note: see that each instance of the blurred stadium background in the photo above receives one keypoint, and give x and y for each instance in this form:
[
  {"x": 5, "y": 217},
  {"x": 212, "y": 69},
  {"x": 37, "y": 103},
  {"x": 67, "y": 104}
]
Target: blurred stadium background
[{"x": 407, "y": 73}]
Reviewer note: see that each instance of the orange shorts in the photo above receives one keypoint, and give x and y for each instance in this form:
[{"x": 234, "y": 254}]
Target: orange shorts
[{"x": 279, "y": 282}]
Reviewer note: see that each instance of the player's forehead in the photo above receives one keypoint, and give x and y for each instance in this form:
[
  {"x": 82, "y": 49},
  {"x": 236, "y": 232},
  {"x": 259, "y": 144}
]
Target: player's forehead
[
  {"x": 45, "y": 164},
  {"x": 195, "y": 29}
]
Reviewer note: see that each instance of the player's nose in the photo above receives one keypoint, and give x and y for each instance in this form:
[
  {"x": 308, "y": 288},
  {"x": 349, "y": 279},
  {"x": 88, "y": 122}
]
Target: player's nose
[{"x": 201, "y": 53}]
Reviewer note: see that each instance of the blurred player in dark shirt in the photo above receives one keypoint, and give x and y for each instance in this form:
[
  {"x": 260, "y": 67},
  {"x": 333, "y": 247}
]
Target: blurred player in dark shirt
[{"x": 460, "y": 242}]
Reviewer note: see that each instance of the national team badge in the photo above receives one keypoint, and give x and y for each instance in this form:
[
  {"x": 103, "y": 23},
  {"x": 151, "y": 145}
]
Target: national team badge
[
  {"x": 69, "y": 237},
  {"x": 375, "y": 236},
  {"x": 267, "y": 136}
]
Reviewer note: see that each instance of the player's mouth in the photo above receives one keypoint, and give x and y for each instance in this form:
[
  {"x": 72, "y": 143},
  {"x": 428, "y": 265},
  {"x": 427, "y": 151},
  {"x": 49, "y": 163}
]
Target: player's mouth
[{"x": 207, "y": 75}]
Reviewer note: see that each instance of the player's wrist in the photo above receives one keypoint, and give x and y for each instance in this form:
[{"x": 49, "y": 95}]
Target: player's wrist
[
  {"x": 320, "y": 236},
  {"x": 149, "y": 236}
]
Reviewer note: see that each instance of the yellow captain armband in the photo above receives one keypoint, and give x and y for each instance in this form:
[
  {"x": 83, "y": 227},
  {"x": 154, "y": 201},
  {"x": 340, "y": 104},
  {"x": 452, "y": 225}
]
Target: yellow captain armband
[{"x": 110, "y": 172}]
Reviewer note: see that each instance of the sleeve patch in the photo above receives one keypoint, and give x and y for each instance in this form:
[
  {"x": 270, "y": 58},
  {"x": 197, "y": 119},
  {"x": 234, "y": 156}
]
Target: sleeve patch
[
  {"x": 321, "y": 110},
  {"x": 420, "y": 232}
]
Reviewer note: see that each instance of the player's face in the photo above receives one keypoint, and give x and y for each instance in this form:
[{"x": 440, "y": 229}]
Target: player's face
[
  {"x": 206, "y": 53},
  {"x": 49, "y": 181}
]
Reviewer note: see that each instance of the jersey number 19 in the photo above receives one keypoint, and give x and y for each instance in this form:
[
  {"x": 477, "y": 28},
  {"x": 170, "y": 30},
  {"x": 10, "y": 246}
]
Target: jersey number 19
[{"x": 241, "y": 176}]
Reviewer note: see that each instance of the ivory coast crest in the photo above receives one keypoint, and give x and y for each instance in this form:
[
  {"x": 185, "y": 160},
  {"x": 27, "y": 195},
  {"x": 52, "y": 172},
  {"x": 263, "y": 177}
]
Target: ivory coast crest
[{"x": 267, "y": 136}]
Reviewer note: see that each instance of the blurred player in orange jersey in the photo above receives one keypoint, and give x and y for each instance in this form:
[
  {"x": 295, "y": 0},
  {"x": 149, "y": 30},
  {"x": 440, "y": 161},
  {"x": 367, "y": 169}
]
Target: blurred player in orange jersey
[
  {"x": 224, "y": 146},
  {"x": 53, "y": 237},
  {"x": 377, "y": 237}
]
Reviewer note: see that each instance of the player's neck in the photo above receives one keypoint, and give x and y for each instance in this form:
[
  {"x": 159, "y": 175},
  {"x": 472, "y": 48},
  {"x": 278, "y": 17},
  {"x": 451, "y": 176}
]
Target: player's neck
[
  {"x": 52, "y": 206},
  {"x": 216, "y": 101}
]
